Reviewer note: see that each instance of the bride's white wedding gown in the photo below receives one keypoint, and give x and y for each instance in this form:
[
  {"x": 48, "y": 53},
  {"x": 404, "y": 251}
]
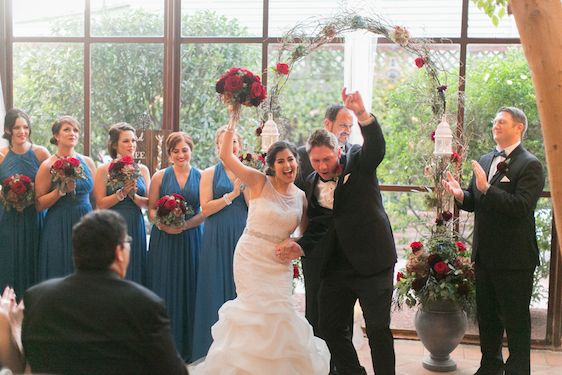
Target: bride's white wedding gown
[{"x": 259, "y": 332}]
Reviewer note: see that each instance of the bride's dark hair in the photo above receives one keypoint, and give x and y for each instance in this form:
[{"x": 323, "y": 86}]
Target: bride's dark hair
[{"x": 272, "y": 152}]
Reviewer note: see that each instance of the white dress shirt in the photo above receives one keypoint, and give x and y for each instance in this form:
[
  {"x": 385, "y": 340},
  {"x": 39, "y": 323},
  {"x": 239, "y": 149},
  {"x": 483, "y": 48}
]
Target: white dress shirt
[
  {"x": 498, "y": 159},
  {"x": 324, "y": 192}
]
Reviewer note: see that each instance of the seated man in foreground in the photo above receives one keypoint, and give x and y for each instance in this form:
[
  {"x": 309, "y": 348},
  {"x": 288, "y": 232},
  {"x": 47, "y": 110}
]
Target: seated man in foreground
[{"x": 93, "y": 321}]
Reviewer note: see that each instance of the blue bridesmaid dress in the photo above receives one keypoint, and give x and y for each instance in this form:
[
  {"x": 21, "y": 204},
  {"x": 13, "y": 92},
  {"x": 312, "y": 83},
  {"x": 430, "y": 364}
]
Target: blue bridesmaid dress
[
  {"x": 215, "y": 280},
  {"x": 137, "y": 230},
  {"x": 19, "y": 232},
  {"x": 55, "y": 252},
  {"x": 173, "y": 261}
]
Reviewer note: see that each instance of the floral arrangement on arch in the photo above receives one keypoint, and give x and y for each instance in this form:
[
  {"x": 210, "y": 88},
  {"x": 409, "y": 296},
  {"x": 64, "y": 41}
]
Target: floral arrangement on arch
[
  {"x": 17, "y": 192},
  {"x": 311, "y": 34},
  {"x": 439, "y": 269}
]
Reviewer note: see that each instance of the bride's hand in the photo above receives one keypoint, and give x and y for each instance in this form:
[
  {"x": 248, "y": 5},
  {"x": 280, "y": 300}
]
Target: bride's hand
[
  {"x": 234, "y": 111},
  {"x": 288, "y": 250}
]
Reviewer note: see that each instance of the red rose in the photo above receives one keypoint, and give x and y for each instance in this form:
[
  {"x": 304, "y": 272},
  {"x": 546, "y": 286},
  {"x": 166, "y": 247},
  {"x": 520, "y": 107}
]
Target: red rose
[
  {"x": 433, "y": 136},
  {"x": 161, "y": 201},
  {"x": 433, "y": 259},
  {"x": 255, "y": 90},
  {"x": 282, "y": 68},
  {"x": 460, "y": 246},
  {"x": 259, "y": 129},
  {"x": 25, "y": 179},
  {"x": 18, "y": 187},
  {"x": 441, "y": 267},
  {"x": 233, "y": 83},
  {"x": 74, "y": 162},
  {"x": 442, "y": 88},
  {"x": 447, "y": 215},
  {"x": 177, "y": 196},
  {"x": 59, "y": 164},
  {"x": 455, "y": 157},
  {"x": 502, "y": 166},
  {"x": 399, "y": 276},
  {"x": 296, "y": 272},
  {"x": 7, "y": 180},
  {"x": 249, "y": 157},
  {"x": 415, "y": 246},
  {"x": 419, "y": 62},
  {"x": 170, "y": 204},
  {"x": 127, "y": 160},
  {"x": 219, "y": 86}
]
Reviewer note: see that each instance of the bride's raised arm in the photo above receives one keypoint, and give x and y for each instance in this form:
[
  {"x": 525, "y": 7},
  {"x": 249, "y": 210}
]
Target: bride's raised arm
[{"x": 251, "y": 177}]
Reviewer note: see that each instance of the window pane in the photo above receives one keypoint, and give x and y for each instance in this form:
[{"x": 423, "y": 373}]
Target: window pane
[
  {"x": 127, "y": 18},
  {"x": 315, "y": 83},
  {"x": 222, "y": 18},
  {"x": 126, "y": 86},
  {"x": 201, "y": 112},
  {"x": 497, "y": 76},
  {"x": 422, "y": 17},
  {"x": 480, "y": 25},
  {"x": 48, "y": 83},
  {"x": 48, "y": 18},
  {"x": 403, "y": 105}
]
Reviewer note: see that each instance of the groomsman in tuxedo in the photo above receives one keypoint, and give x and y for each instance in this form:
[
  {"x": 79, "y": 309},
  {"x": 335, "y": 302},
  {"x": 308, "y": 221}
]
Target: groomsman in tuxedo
[
  {"x": 338, "y": 120},
  {"x": 503, "y": 194},
  {"x": 348, "y": 224},
  {"x": 93, "y": 321}
]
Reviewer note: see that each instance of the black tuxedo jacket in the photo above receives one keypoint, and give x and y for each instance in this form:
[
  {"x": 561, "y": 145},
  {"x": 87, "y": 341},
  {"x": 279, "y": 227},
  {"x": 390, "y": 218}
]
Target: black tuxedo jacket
[
  {"x": 504, "y": 220},
  {"x": 95, "y": 323},
  {"x": 358, "y": 221}
]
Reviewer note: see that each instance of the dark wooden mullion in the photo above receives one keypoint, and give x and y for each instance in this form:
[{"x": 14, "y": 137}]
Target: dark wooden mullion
[{"x": 87, "y": 79}]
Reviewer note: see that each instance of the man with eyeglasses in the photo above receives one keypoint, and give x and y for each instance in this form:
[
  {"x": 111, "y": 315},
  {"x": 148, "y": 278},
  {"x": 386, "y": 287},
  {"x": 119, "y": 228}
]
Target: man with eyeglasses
[{"x": 93, "y": 321}]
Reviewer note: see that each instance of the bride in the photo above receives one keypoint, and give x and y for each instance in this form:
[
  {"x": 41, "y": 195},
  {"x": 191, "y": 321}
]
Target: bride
[{"x": 259, "y": 332}]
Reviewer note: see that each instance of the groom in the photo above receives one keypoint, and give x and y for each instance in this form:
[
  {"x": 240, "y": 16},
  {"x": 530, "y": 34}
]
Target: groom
[{"x": 348, "y": 222}]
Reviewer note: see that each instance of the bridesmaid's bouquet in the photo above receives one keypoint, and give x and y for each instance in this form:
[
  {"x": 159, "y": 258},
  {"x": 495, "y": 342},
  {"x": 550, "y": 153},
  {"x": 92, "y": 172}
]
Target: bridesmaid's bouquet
[
  {"x": 171, "y": 210},
  {"x": 240, "y": 86},
  {"x": 121, "y": 171},
  {"x": 256, "y": 161},
  {"x": 17, "y": 192},
  {"x": 65, "y": 170}
]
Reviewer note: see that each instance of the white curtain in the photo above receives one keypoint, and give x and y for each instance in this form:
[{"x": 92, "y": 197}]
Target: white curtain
[{"x": 360, "y": 49}]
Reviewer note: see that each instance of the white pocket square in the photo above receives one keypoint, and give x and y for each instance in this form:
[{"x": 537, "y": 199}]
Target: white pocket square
[
  {"x": 505, "y": 179},
  {"x": 346, "y": 177}
]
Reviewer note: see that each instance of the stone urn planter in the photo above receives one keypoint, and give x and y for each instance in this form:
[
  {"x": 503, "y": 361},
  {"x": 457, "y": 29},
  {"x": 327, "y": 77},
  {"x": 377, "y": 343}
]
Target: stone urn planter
[{"x": 440, "y": 326}]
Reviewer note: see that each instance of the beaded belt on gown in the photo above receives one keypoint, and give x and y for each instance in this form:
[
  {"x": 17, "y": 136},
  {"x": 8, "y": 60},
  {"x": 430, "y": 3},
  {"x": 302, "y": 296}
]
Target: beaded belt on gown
[{"x": 263, "y": 236}]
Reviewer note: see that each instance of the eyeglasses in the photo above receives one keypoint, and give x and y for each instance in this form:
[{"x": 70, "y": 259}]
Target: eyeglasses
[{"x": 128, "y": 239}]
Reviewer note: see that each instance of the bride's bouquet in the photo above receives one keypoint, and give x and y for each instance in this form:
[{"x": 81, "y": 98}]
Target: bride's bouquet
[
  {"x": 240, "y": 86},
  {"x": 171, "y": 210},
  {"x": 65, "y": 170},
  {"x": 17, "y": 192},
  {"x": 121, "y": 171}
]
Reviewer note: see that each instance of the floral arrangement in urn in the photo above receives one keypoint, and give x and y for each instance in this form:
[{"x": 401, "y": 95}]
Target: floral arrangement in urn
[{"x": 439, "y": 269}]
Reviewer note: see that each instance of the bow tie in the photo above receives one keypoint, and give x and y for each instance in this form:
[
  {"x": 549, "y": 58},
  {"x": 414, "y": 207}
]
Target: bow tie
[
  {"x": 499, "y": 153},
  {"x": 333, "y": 179}
]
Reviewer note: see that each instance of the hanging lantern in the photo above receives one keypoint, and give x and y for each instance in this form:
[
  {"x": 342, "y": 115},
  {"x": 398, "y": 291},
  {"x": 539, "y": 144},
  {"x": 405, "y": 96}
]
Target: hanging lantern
[
  {"x": 443, "y": 139},
  {"x": 269, "y": 133}
]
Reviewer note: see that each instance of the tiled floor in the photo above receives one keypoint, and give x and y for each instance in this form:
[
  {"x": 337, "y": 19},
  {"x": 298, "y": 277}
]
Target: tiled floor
[{"x": 409, "y": 356}]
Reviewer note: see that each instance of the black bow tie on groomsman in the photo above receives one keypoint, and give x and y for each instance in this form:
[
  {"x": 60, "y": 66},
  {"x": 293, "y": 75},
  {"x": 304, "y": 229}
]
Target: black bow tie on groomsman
[{"x": 499, "y": 153}]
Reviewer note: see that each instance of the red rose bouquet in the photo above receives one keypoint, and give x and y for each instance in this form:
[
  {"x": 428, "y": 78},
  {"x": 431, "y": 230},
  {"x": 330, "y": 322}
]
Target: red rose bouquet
[
  {"x": 240, "y": 86},
  {"x": 256, "y": 161},
  {"x": 121, "y": 171},
  {"x": 17, "y": 192},
  {"x": 171, "y": 210},
  {"x": 65, "y": 170}
]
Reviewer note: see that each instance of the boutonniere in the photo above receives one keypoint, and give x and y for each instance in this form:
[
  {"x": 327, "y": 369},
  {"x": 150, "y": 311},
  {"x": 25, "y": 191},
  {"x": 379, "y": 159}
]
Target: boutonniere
[{"x": 503, "y": 166}]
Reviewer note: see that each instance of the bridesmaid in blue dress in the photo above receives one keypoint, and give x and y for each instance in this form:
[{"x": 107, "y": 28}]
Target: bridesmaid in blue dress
[
  {"x": 173, "y": 252},
  {"x": 226, "y": 211},
  {"x": 64, "y": 207},
  {"x": 123, "y": 142},
  {"x": 19, "y": 232}
]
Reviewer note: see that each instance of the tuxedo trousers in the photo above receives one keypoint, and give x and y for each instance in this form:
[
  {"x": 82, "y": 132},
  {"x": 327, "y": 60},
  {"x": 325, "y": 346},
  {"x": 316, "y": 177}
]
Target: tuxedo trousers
[
  {"x": 338, "y": 293},
  {"x": 502, "y": 302}
]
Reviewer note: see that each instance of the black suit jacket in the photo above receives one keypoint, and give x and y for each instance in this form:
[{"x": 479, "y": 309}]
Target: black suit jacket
[
  {"x": 504, "y": 220},
  {"x": 96, "y": 323},
  {"x": 358, "y": 221}
]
